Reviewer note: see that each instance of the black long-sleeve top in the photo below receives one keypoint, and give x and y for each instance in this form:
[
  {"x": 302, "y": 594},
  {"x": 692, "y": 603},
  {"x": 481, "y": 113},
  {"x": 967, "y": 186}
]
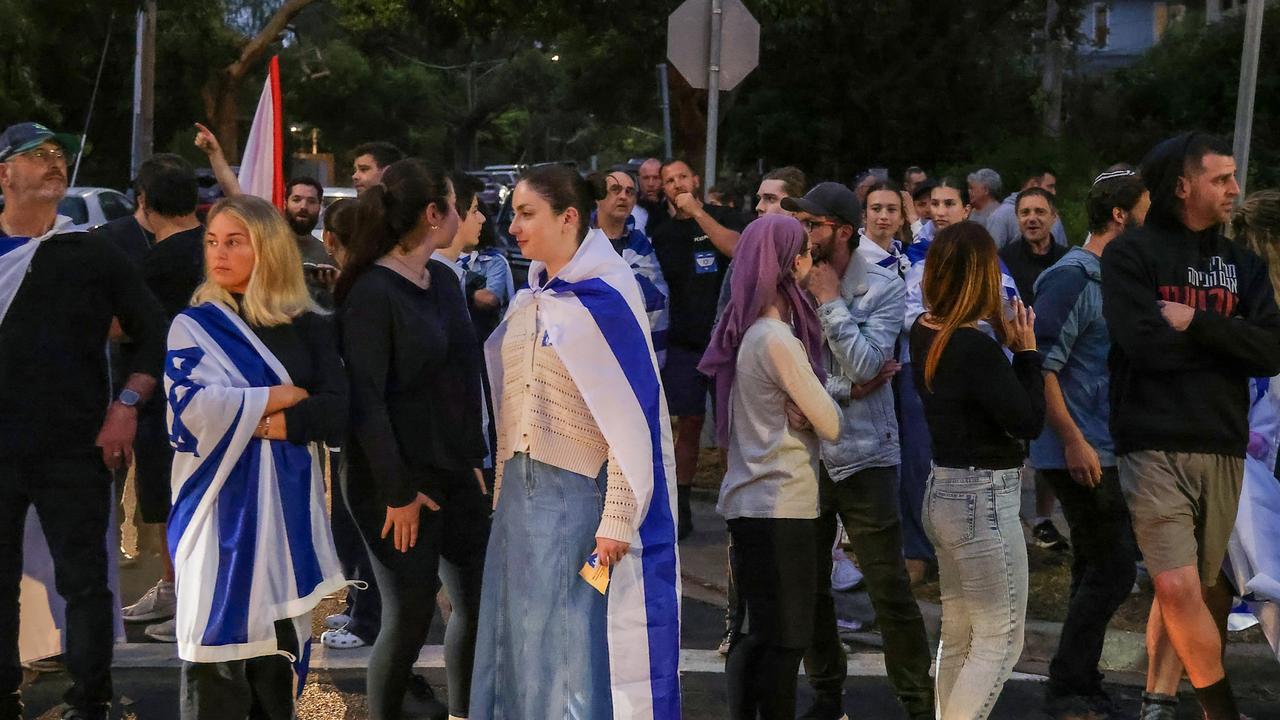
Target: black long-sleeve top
[
  {"x": 54, "y": 382},
  {"x": 308, "y": 349},
  {"x": 1186, "y": 391},
  {"x": 981, "y": 406},
  {"x": 414, "y": 365}
]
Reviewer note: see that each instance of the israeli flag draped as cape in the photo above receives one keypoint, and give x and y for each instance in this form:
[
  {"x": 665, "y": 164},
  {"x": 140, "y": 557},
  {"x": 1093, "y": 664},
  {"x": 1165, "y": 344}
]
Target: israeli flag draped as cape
[
  {"x": 595, "y": 317},
  {"x": 1253, "y": 552},
  {"x": 16, "y": 254},
  {"x": 248, "y": 532}
]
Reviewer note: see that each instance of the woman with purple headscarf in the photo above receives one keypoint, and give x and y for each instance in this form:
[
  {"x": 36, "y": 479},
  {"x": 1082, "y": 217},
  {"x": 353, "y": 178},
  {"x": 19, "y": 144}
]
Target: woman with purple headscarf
[{"x": 765, "y": 361}]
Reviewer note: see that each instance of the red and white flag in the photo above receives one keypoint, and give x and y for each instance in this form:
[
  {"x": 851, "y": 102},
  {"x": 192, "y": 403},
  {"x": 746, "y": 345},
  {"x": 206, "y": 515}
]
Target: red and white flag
[{"x": 262, "y": 163}]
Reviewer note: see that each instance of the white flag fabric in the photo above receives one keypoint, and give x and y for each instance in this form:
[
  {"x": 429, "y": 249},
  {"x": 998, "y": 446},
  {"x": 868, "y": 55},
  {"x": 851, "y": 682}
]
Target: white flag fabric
[
  {"x": 261, "y": 170},
  {"x": 249, "y": 533},
  {"x": 594, "y": 315},
  {"x": 1253, "y": 560},
  {"x": 16, "y": 254}
]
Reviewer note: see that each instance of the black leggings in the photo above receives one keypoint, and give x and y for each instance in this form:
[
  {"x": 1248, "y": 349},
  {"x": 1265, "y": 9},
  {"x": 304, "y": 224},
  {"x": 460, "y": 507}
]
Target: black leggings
[
  {"x": 451, "y": 543},
  {"x": 773, "y": 569}
]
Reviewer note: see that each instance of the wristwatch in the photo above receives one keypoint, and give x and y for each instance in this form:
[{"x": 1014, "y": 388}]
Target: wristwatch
[{"x": 129, "y": 398}]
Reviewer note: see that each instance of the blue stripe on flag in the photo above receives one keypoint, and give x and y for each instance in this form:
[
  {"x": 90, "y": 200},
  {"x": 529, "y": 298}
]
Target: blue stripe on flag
[
  {"x": 625, "y": 337},
  {"x": 184, "y": 506},
  {"x": 237, "y": 545},
  {"x": 293, "y": 473},
  {"x": 8, "y": 244}
]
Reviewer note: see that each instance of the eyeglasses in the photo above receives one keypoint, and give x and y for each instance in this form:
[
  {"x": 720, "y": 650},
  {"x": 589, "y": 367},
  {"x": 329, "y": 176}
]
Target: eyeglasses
[
  {"x": 811, "y": 225},
  {"x": 46, "y": 156}
]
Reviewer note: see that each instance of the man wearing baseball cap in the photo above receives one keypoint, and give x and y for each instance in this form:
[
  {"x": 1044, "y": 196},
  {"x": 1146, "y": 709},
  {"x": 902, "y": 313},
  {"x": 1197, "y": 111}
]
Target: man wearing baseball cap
[
  {"x": 59, "y": 293},
  {"x": 860, "y": 307}
]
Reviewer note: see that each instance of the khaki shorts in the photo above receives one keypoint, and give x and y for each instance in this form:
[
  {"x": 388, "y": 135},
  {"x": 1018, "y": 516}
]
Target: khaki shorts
[{"x": 1183, "y": 507}]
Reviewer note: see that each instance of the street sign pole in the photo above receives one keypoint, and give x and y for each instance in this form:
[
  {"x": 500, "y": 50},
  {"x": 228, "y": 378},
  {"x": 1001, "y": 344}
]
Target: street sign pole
[
  {"x": 664, "y": 92},
  {"x": 713, "y": 96},
  {"x": 1248, "y": 86}
]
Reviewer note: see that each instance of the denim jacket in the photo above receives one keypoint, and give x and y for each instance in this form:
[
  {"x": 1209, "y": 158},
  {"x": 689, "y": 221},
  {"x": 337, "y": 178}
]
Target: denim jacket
[
  {"x": 860, "y": 328},
  {"x": 1074, "y": 342}
]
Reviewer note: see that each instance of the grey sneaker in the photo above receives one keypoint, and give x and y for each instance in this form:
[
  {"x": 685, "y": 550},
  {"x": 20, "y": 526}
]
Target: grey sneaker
[
  {"x": 159, "y": 603},
  {"x": 165, "y": 632}
]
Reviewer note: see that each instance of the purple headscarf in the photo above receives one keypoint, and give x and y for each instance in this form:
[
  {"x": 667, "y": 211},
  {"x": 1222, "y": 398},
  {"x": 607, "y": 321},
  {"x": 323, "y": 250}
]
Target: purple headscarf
[{"x": 761, "y": 270}]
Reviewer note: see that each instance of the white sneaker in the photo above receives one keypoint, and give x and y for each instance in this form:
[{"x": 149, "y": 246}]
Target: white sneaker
[
  {"x": 337, "y": 621},
  {"x": 159, "y": 603},
  {"x": 163, "y": 632},
  {"x": 844, "y": 574},
  {"x": 341, "y": 639}
]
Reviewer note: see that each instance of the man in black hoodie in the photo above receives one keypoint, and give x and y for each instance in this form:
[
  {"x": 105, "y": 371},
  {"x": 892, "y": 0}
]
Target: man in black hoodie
[{"x": 1192, "y": 317}]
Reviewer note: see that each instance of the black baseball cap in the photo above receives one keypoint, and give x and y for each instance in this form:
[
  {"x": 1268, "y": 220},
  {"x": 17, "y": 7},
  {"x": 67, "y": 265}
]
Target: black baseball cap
[
  {"x": 827, "y": 199},
  {"x": 20, "y": 138}
]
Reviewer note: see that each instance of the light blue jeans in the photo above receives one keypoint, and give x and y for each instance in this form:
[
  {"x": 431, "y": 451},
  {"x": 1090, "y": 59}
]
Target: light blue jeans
[
  {"x": 971, "y": 516},
  {"x": 542, "y": 649}
]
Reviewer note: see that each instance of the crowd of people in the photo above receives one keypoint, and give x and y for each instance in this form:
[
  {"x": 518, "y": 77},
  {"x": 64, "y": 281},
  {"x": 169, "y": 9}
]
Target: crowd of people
[{"x": 383, "y": 411}]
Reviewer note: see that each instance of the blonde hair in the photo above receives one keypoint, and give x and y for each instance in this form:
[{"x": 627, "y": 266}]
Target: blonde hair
[
  {"x": 1256, "y": 225},
  {"x": 277, "y": 291}
]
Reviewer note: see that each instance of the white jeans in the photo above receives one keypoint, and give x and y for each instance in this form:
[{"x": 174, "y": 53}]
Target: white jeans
[{"x": 971, "y": 516}]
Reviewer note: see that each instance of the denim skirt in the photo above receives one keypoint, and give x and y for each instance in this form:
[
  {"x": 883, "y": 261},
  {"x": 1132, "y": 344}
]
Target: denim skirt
[{"x": 542, "y": 649}]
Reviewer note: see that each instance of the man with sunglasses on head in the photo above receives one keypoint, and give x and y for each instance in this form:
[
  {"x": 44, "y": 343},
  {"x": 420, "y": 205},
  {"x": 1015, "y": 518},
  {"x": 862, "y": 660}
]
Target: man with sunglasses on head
[
  {"x": 60, "y": 433},
  {"x": 860, "y": 307}
]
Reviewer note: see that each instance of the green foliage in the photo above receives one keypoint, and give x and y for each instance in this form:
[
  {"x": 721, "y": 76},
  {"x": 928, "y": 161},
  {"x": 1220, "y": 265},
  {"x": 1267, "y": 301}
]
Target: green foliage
[{"x": 1189, "y": 81}]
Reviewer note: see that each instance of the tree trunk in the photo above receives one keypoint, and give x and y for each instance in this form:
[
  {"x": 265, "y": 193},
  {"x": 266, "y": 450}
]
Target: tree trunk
[
  {"x": 221, "y": 92},
  {"x": 688, "y": 122},
  {"x": 1055, "y": 52}
]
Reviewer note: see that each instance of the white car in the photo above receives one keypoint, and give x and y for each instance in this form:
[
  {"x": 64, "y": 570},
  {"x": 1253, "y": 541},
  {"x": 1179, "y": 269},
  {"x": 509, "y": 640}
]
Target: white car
[{"x": 89, "y": 207}]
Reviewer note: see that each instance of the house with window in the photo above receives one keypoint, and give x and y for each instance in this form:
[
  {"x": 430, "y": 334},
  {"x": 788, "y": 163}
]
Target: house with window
[{"x": 1115, "y": 33}]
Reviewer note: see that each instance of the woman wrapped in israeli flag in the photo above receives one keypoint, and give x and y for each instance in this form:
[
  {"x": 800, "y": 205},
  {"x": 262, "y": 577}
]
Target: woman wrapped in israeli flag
[
  {"x": 584, "y": 485},
  {"x": 254, "y": 385}
]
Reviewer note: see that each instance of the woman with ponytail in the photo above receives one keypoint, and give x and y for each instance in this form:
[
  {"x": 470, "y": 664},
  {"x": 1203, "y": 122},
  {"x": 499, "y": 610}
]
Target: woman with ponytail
[
  {"x": 979, "y": 409},
  {"x": 414, "y": 365},
  {"x": 765, "y": 359}
]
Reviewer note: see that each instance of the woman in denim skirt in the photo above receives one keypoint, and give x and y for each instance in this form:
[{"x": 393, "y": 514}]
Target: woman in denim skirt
[
  {"x": 979, "y": 408},
  {"x": 585, "y": 483}
]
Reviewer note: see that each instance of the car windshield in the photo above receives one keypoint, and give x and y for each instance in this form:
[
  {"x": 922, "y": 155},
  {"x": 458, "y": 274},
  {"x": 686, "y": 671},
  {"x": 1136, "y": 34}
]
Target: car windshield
[{"x": 74, "y": 208}]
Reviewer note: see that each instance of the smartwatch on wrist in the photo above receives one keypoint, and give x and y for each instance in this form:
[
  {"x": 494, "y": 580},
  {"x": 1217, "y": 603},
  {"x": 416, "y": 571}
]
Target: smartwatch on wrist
[{"x": 129, "y": 398}]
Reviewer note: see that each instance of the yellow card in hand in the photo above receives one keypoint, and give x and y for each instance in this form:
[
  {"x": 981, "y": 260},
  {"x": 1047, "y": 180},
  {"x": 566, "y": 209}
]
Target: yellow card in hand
[{"x": 596, "y": 575}]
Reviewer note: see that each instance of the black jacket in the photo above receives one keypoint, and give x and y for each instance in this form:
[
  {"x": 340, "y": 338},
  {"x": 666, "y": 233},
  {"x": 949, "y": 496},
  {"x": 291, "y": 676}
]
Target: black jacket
[{"x": 1186, "y": 391}]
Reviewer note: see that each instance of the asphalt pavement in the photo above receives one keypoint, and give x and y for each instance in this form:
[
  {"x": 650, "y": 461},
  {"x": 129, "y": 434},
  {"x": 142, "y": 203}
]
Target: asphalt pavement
[{"x": 146, "y": 674}]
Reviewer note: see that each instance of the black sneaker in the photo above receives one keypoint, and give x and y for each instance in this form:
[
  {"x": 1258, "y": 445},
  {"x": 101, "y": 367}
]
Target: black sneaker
[
  {"x": 1046, "y": 535},
  {"x": 422, "y": 699},
  {"x": 824, "y": 708},
  {"x": 1158, "y": 707}
]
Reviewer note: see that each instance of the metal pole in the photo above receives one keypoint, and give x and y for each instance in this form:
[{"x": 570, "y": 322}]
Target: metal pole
[
  {"x": 144, "y": 74},
  {"x": 666, "y": 110},
  {"x": 713, "y": 95},
  {"x": 93, "y": 98},
  {"x": 1248, "y": 86}
]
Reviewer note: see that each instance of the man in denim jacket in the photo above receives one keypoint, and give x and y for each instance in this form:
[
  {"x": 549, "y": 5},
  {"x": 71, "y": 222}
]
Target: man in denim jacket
[
  {"x": 861, "y": 306},
  {"x": 1076, "y": 454}
]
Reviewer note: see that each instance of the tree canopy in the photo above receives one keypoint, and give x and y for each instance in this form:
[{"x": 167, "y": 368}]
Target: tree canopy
[{"x": 841, "y": 85}]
